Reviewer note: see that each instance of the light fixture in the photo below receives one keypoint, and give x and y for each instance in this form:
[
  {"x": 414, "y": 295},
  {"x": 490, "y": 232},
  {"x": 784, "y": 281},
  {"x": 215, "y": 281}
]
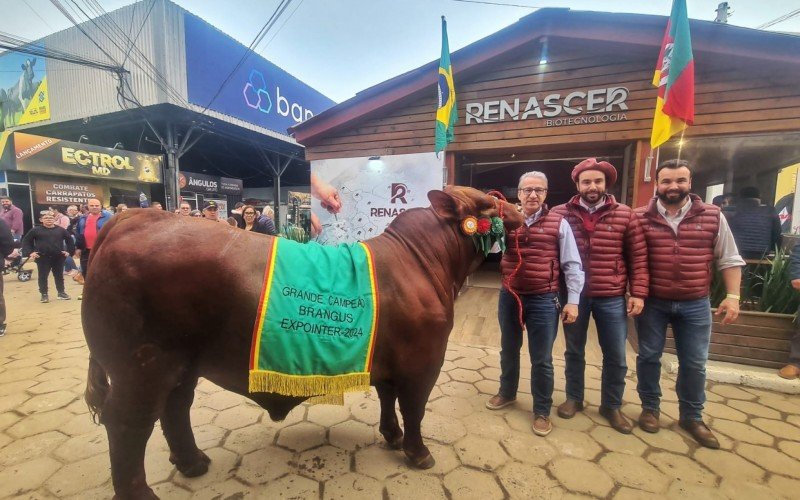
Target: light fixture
[
  {"x": 544, "y": 54},
  {"x": 83, "y": 138}
]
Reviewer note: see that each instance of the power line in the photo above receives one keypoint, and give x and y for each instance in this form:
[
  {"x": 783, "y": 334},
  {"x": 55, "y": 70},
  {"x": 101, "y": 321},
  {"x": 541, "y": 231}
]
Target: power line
[
  {"x": 501, "y": 4},
  {"x": 63, "y": 10},
  {"x": 37, "y": 15},
  {"x": 779, "y": 19}
]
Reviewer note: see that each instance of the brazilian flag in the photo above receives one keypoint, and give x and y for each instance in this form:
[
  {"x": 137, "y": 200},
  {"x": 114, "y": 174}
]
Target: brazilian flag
[{"x": 446, "y": 113}]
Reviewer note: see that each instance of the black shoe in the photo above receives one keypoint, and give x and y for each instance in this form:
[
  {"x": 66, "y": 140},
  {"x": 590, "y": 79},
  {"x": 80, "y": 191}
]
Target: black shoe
[
  {"x": 45, "y": 299},
  {"x": 3, "y": 329},
  {"x": 63, "y": 296}
]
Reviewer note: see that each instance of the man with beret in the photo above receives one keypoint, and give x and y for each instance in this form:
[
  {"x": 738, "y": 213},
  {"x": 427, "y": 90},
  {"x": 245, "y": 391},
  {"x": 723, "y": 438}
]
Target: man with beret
[
  {"x": 614, "y": 256},
  {"x": 685, "y": 238}
]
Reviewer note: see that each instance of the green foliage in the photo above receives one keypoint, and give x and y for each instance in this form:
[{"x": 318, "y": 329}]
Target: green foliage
[
  {"x": 766, "y": 287},
  {"x": 296, "y": 233}
]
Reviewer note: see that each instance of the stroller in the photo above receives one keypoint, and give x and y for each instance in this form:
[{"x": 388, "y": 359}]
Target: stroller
[{"x": 17, "y": 265}]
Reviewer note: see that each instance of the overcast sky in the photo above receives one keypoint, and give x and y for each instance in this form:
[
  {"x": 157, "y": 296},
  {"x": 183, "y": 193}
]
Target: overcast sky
[{"x": 341, "y": 47}]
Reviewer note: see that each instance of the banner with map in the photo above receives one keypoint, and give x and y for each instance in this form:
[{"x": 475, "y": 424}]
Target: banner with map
[
  {"x": 23, "y": 89},
  {"x": 373, "y": 191}
]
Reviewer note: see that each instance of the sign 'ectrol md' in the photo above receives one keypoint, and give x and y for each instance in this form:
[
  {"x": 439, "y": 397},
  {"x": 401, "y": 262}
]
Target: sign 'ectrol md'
[{"x": 575, "y": 108}]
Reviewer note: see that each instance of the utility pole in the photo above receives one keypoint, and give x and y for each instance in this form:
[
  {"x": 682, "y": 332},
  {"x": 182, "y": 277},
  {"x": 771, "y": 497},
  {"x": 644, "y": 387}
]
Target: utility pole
[{"x": 723, "y": 12}]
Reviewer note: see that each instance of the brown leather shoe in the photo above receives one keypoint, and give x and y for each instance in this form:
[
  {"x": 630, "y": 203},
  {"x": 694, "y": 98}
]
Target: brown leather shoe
[
  {"x": 700, "y": 432},
  {"x": 790, "y": 372},
  {"x": 648, "y": 421},
  {"x": 617, "y": 420},
  {"x": 569, "y": 408},
  {"x": 497, "y": 402},
  {"x": 542, "y": 425},
  {"x": 78, "y": 278}
]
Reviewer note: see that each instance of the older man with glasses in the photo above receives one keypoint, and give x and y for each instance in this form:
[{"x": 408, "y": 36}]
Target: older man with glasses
[{"x": 537, "y": 255}]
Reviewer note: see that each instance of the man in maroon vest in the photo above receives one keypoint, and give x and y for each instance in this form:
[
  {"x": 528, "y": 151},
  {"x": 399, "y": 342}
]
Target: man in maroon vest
[
  {"x": 685, "y": 238},
  {"x": 537, "y": 253},
  {"x": 614, "y": 255}
]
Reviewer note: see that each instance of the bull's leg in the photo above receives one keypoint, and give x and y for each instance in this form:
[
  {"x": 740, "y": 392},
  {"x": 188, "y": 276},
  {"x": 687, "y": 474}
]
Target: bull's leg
[
  {"x": 177, "y": 427},
  {"x": 413, "y": 394},
  {"x": 389, "y": 427}
]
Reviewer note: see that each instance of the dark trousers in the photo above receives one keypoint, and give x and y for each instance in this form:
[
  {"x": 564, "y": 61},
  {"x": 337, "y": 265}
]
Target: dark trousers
[
  {"x": 2, "y": 303},
  {"x": 540, "y": 313},
  {"x": 54, "y": 263},
  {"x": 794, "y": 349},
  {"x": 610, "y": 316},
  {"x": 691, "y": 326},
  {"x": 85, "y": 261}
]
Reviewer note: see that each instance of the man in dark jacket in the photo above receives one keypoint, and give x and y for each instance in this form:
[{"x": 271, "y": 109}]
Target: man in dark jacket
[
  {"x": 756, "y": 227},
  {"x": 614, "y": 255},
  {"x": 685, "y": 238},
  {"x": 792, "y": 370},
  {"x": 46, "y": 244},
  {"x": 6, "y": 247}
]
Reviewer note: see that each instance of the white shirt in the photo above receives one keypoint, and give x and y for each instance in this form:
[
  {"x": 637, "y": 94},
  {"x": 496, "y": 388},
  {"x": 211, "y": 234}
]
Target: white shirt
[
  {"x": 594, "y": 208},
  {"x": 725, "y": 251},
  {"x": 568, "y": 256}
]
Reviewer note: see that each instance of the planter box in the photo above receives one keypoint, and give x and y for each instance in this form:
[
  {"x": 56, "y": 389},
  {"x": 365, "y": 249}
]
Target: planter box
[{"x": 756, "y": 338}]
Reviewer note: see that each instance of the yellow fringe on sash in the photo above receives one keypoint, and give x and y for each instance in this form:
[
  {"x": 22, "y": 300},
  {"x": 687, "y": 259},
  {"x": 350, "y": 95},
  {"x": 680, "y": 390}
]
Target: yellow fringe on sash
[{"x": 318, "y": 386}]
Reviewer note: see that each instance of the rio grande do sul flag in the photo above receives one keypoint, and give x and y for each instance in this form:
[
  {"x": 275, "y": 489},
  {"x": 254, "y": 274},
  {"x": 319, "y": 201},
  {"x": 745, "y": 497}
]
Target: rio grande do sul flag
[
  {"x": 674, "y": 77},
  {"x": 446, "y": 112}
]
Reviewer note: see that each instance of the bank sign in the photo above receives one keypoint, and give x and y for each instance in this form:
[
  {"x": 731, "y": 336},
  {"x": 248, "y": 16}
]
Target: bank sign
[
  {"x": 46, "y": 155},
  {"x": 575, "y": 108},
  {"x": 253, "y": 89}
]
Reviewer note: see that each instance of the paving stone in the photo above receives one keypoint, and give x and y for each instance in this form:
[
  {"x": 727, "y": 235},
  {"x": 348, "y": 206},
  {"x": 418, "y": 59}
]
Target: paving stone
[
  {"x": 635, "y": 472},
  {"x": 351, "y": 435},
  {"x": 12, "y": 401},
  {"x": 468, "y": 483},
  {"x": 680, "y": 490},
  {"x": 264, "y": 465},
  {"x": 470, "y": 363},
  {"x": 57, "y": 374},
  {"x": 728, "y": 465},
  {"x": 754, "y": 409},
  {"x": 208, "y": 436},
  {"x": 581, "y": 476},
  {"x": 222, "y": 467},
  {"x": 379, "y": 462},
  {"x": 290, "y": 487},
  {"x": 8, "y": 419},
  {"x": 491, "y": 373},
  {"x": 529, "y": 448},
  {"x": 731, "y": 392},
  {"x": 792, "y": 419},
  {"x": 770, "y": 459},
  {"x": 436, "y": 393},
  {"x": 302, "y": 436},
  {"x": 157, "y": 466},
  {"x": 413, "y": 485},
  {"x": 202, "y": 416},
  {"x": 451, "y": 407},
  {"x": 327, "y": 415},
  {"x": 14, "y": 388},
  {"x": 39, "y": 422},
  {"x": 20, "y": 478},
  {"x": 83, "y": 446},
  {"x": 742, "y": 432},
  {"x": 784, "y": 486},
  {"x": 486, "y": 424},
  {"x": 323, "y": 463},
  {"x": 25, "y": 362},
  {"x": 238, "y": 417},
  {"x": 790, "y": 448},
  {"x": 780, "y": 404},
  {"x": 446, "y": 459},
  {"x": 219, "y": 401},
  {"x": 615, "y": 441},
  {"x": 442, "y": 428},
  {"x": 62, "y": 384},
  {"x": 682, "y": 468},
  {"x": 719, "y": 410},
  {"x": 352, "y": 486},
  {"x": 250, "y": 438},
  {"x": 229, "y": 489},
  {"x": 481, "y": 453},
  {"x": 521, "y": 481},
  {"x": 31, "y": 447},
  {"x": 367, "y": 411},
  {"x": 626, "y": 493},
  {"x": 779, "y": 429},
  {"x": 80, "y": 475},
  {"x": 47, "y": 402},
  {"x": 77, "y": 425},
  {"x": 580, "y": 422},
  {"x": 735, "y": 488},
  {"x": 574, "y": 444},
  {"x": 458, "y": 389},
  {"x": 464, "y": 375}
]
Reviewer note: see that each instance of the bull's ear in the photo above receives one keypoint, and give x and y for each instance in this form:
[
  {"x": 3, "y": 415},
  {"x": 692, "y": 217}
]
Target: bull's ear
[{"x": 446, "y": 206}]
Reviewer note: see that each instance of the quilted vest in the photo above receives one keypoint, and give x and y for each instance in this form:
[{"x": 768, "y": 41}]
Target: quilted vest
[
  {"x": 681, "y": 265},
  {"x": 539, "y": 248},
  {"x": 614, "y": 253}
]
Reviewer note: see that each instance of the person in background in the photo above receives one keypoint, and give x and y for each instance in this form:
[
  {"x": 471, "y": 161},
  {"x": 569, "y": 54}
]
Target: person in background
[
  {"x": 6, "y": 248},
  {"x": 211, "y": 211},
  {"x": 46, "y": 244},
  {"x": 547, "y": 250},
  {"x": 792, "y": 369},
  {"x": 121, "y": 208},
  {"x": 157, "y": 205},
  {"x": 236, "y": 218},
  {"x": 196, "y": 213},
  {"x": 756, "y": 227},
  {"x": 13, "y": 217},
  {"x": 63, "y": 221},
  {"x": 685, "y": 238},
  {"x": 184, "y": 209},
  {"x": 251, "y": 222},
  {"x": 86, "y": 231}
]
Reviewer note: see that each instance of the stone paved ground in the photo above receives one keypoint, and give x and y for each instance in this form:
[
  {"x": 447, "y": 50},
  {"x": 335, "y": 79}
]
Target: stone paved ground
[{"x": 49, "y": 447}]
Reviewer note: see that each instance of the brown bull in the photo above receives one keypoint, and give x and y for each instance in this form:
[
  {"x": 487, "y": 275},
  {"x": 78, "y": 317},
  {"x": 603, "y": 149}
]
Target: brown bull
[{"x": 155, "y": 322}]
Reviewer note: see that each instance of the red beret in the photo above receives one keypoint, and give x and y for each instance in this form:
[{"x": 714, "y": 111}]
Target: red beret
[{"x": 592, "y": 164}]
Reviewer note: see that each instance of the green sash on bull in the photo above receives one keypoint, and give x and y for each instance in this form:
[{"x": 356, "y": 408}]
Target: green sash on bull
[{"x": 316, "y": 322}]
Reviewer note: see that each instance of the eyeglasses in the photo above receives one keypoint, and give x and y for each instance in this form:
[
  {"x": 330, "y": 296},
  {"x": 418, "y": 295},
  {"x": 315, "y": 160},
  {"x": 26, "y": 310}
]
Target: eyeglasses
[
  {"x": 197, "y": 215},
  {"x": 249, "y": 213},
  {"x": 538, "y": 191}
]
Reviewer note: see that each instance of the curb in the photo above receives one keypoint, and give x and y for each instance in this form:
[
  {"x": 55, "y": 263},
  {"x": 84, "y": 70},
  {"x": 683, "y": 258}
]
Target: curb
[{"x": 732, "y": 373}]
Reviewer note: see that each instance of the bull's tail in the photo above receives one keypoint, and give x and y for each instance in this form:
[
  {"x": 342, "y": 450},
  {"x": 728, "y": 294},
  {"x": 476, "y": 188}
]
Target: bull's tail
[{"x": 96, "y": 390}]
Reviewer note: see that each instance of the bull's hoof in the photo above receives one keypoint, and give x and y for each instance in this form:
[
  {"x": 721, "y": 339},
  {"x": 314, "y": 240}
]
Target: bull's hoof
[
  {"x": 396, "y": 443},
  {"x": 146, "y": 494},
  {"x": 196, "y": 465},
  {"x": 425, "y": 462}
]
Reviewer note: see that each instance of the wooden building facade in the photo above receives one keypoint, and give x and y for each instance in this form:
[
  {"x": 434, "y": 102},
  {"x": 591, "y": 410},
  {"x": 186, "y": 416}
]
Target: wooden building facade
[{"x": 559, "y": 86}]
